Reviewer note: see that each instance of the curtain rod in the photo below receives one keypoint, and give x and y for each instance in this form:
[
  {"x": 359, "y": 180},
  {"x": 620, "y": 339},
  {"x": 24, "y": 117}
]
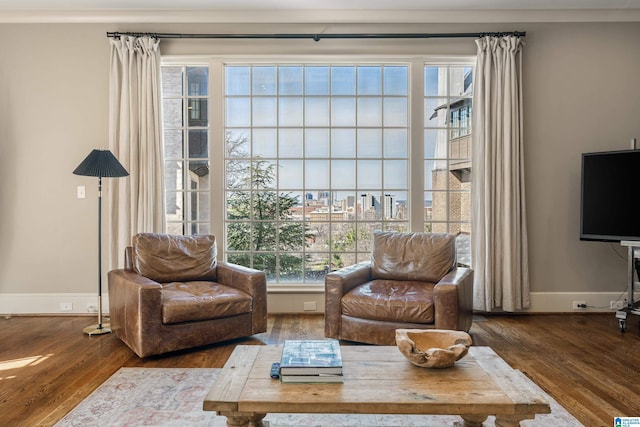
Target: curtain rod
[{"x": 318, "y": 37}]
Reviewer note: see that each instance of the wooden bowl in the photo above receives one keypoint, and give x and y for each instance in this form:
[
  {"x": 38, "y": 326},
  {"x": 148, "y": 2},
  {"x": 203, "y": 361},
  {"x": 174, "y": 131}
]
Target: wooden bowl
[{"x": 432, "y": 348}]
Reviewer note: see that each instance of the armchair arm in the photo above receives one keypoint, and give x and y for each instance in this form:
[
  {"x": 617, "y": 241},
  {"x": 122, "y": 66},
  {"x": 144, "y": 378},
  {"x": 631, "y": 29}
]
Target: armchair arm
[
  {"x": 135, "y": 305},
  {"x": 336, "y": 284},
  {"x": 251, "y": 281},
  {"x": 453, "y": 300}
]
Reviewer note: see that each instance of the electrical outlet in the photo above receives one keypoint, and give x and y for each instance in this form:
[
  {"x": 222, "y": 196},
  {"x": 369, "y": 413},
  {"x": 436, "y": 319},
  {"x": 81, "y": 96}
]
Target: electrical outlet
[
  {"x": 617, "y": 305},
  {"x": 92, "y": 308},
  {"x": 310, "y": 306},
  {"x": 579, "y": 305},
  {"x": 66, "y": 306}
]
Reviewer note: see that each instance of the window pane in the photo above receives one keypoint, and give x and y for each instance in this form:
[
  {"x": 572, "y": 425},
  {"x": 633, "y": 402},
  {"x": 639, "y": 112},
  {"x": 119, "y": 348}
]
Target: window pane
[
  {"x": 290, "y": 142},
  {"x": 198, "y": 144},
  {"x": 198, "y": 113},
  {"x": 396, "y": 81},
  {"x": 290, "y": 80},
  {"x": 238, "y": 112},
  {"x": 369, "y": 174},
  {"x": 239, "y": 236},
  {"x": 173, "y": 206},
  {"x": 395, "y": 142},
  {"x": 238, "y": 80},
  {"x": 395, "y": 174},
  {"x": 461, "y": 81},
  {"x": 264, "y": 143},
  {"x": 343, "y": 80},
  {"x": 316, "y": 174},
  {"x": 369, "y": 80},
  {"x": 173, "y": 175},
  {"x": 290, "y": 111},
  {"x": 264, "y": 111},
  {"x": 365, "y": 232},
  {"x": 440, "y": 206},
  {"x": 265, "y": 207},
  {"x": 459, "y": 206},
  {"x": 369, "y": 111},
  {"x": 343, "y": 111},
  {"x": 316, "y": 143},
  {"x": 238, "y": 205},
  {"x": 290, "y": 173},
  {"x": 435, "y": 144},
  {"x": 198, "y": 203},
  {"x": 369, "y": 143},
  {"x": 291, "y": 268},
  {"x": 395, "y": 112},
  {"x": 343, "y": 143},
  {"x": 316, "y": 81},
  {"x": 237, "y": 143},
  {"x": 172, "y": 113},
  {"x": 435, "y": 110},
  {"x": 173, "y": 144},
  {"x": 435, "y": 80},
  {"x": 198, "y": 81},
  {"x": 316, "y": 111},
  {"x": 171, "y": 81},
  {"x": 264, "y": 81},
  {"x": 199, "y": 175},
  {"x": 343, "y": 173}
]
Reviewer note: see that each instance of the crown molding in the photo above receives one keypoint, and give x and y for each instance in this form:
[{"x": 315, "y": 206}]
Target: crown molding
[{"x": 112, "y": 16}]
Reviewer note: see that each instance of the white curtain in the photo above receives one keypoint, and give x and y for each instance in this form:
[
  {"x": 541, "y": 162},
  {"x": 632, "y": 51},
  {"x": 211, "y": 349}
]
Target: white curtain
[
  {"x": 135, "y": 128},
  {"x": 499, "y": 226}
]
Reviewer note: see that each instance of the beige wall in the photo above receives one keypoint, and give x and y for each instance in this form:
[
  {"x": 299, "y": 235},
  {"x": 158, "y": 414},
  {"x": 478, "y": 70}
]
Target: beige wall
[{"x": 581, "y": 94}]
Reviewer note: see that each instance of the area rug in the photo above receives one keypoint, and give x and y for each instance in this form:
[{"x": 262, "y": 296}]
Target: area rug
[{"x": 171, "y": 397}]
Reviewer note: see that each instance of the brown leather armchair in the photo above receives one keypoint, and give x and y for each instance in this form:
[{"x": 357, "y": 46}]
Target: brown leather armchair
[
  {"x": 411, "y": 282},
  {"x": 173, "y": 294}
]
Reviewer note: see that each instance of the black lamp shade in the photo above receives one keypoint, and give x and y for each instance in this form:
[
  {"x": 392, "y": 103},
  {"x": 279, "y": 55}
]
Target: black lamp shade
[{"x": 101, "y": 163}]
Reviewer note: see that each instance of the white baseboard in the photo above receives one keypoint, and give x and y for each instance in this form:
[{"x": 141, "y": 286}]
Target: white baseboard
[
  {"x": 47, "y": 304},
  {"x": 562, "y": 302},
  {"x": 279, "y": 302}
]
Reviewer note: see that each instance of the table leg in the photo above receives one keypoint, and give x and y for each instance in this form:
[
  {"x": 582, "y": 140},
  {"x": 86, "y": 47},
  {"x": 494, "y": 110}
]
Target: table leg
[
  {"x": 512, "y": 420},
  {"x": 473, "y": 420},
  {"x": 243, "y": 419}
]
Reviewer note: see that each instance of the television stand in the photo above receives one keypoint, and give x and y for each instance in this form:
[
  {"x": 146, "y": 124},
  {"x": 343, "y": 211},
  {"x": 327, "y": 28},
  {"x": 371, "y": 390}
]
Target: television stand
[{"x": 634, "y": 263}]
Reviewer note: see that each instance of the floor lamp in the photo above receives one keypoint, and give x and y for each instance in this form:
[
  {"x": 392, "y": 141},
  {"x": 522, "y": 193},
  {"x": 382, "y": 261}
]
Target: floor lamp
[{"x": 100, "y": 163}]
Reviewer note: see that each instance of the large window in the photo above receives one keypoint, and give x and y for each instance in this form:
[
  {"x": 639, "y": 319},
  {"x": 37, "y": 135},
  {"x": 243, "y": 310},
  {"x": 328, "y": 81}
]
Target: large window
[
  {"x": 313, "y": 157},
  {"x": 316, "y": 160}
]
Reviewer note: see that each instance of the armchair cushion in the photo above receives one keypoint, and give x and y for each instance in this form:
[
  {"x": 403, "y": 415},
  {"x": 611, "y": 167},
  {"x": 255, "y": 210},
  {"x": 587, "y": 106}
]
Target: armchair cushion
[
  {"x": 421, "y": 257},
  {"x": 170, "y": 258},
  {"x": 195, "y": 301},
  {"x": 390, "y": 301}
]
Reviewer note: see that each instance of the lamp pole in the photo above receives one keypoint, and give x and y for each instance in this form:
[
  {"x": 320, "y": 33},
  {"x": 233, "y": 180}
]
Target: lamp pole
[{"x": 99, "y": 328}]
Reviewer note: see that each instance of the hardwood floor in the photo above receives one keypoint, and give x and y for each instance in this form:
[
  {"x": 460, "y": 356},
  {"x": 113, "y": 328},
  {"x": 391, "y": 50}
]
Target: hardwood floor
[{"x": 47, "y": 365}]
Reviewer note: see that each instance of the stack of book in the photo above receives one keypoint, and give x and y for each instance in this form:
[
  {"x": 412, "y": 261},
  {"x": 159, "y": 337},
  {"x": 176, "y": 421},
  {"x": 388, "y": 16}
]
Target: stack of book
[{"x": 311, "y": 361}]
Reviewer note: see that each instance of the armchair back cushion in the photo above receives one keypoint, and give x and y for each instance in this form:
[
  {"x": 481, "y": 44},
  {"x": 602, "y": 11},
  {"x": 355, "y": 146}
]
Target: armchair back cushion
[
  {"x": 170, "y": 258},
  {"x": 422, "y": 257}
]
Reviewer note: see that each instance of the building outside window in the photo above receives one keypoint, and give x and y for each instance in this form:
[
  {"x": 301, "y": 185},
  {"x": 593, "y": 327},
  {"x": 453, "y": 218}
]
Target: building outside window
[
  {"x": 448, "y": 93},
  {"x": 185, "y": 100},
  {"x": 315, "y": 158}
]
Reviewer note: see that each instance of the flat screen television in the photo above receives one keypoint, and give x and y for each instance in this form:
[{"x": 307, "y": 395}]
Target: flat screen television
[{"x": 610, "y": 196}]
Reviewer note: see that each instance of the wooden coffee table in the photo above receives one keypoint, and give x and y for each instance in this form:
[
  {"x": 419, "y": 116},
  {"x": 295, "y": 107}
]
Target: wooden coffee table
[{"x": 377, "y": 380}]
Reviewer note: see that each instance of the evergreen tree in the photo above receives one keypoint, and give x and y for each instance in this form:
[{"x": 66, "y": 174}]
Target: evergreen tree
[{"x": 260, "y": 224}]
